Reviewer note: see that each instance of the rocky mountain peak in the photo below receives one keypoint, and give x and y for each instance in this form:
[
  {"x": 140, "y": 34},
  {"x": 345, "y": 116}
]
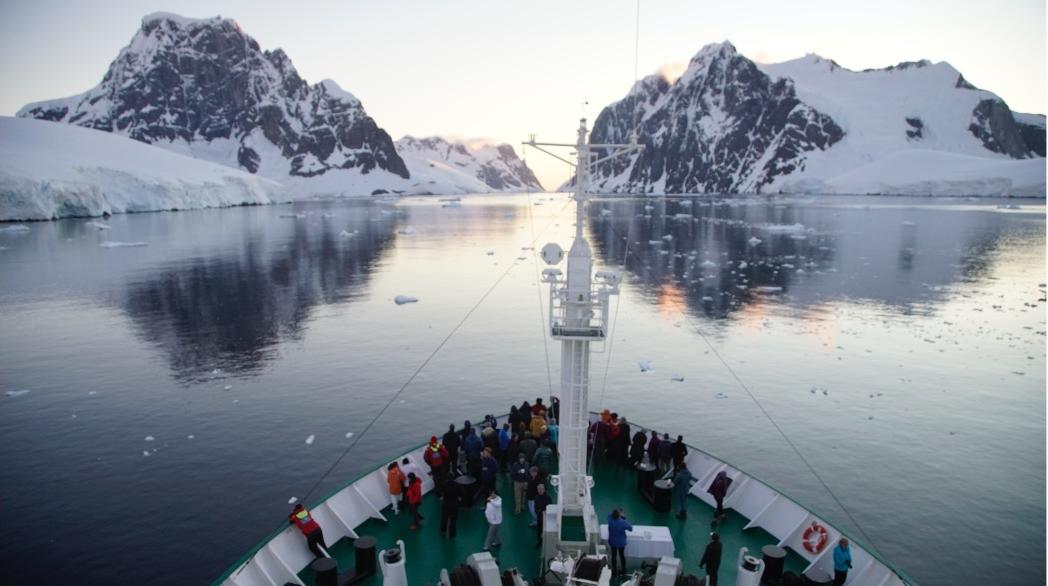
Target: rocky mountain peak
[{"x": 206, "y": 88}]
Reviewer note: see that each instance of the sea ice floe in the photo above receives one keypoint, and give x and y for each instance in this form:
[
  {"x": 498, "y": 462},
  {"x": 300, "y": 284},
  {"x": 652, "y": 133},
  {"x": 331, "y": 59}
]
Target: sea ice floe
[
  {"x": 768, "y": 289},
  {"x": 118, "y": 244},
  {"x": 15, "y": 229},
  {"x": 293, "y": 216},
  {"x": 402, "y": 299},
  {"x": 150, "y": 438},
  {"x": 309, "y": 440},
  {"x": 645, "y": 366},
  {"x": 349, "y": 434},
  {"x": 347, "y": 234},
  {"x": 292, "y": 500},
  {"x": 677, "y": 378},
  {"x": 720, "y": 396},
  {"x": 98, "y": 225},
  {"x": 17, "y": 393},
  {"x": 145, "y": 453},
  {"x": 406, "y": 231},
  {"x": 227, "y": 387},
  {"x": 709, "y": 264},
  {"x": 190, "y": 436}
]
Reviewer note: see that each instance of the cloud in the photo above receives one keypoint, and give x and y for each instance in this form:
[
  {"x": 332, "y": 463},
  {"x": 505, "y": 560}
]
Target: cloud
[{"x": 672, "y": 71}]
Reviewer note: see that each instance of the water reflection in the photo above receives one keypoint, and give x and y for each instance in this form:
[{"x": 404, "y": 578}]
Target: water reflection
[
  {"x": 719, "y": 255},
  {"x": 228, "y": 312}
]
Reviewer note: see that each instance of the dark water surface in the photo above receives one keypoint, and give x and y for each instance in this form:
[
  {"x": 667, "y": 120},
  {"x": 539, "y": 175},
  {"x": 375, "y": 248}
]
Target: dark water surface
[{"x": 900, "y": 343}]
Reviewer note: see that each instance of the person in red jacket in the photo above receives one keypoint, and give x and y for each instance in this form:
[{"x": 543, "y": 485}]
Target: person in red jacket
[
  {"x": 314, "y": 534},
  {"x": 414, "y": 499},
  {"x": 436, "y": 455}
]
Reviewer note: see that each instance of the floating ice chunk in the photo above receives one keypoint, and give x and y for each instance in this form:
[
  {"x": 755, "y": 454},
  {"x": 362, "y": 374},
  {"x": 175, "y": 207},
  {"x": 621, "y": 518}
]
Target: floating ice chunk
[
  {"x": 118, "y": 244},
  {"x": 455, "y": 204},
  {"x": 408, "y": 231},
  {"x": 293, "y": 216},
  {"x": 150, "y": 438},
  {"x": 17, "y": 393},
  {"x": 216, "y": 371},
  {"x": 227, "y": 387},
  {"x": 402, "y": 299},
  {"x": 92, "y": 392},
  {"x": 720, "y": 396},
  {"x": 668, "y": 237},
  {"x": 98, "y": 225},
  {"x": 709, "y": 264},
  {"x": 349, "y": 434},
  {"x": 707, "y": 298},
  {"x": 309, "y": 440},
  {"x": 292, "y": 500},
  {"x": 190, "y": 436},
  {"x": 645, "y": 366},
  {"x": 677, "y": 378},
  {"x": 768, "y": 289},
  {"x": 347, "y": 234},
  {"x": 327, "y": 216},
  {"x": 605, "y": 212},
  {"x": 655, "y": 242},
  {"x": 743, "y": 264},
  {"x": 15, "y": 229},
  {"x": 146, "y": 453},
  {"x": 909, "y": 223}
]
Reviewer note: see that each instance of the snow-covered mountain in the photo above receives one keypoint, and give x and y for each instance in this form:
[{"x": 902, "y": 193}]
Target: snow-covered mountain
[
  {"x": 808, "y": 125},
  {"x": 204, "y": 88},
  {"x": 464, "y": 167},
  {"x": 50, "y": 171}
]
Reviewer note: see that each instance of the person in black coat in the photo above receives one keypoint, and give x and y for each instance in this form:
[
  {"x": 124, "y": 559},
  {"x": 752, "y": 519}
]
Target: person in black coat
[
  {"x": 623, "y": 447},
  {"x": 637, "y": 448},
  {"x": 452, "y": 441},
  {"x": 680, "y": 451},
  {"x": 449, "y": 508},
  {"x": 711, "y": 558},
  {"x": 541, "y": 502},
  {"x": 719, "y": 488}
]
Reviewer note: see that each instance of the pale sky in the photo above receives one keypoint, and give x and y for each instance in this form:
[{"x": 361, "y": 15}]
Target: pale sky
[{"x": 505, "y": 69}]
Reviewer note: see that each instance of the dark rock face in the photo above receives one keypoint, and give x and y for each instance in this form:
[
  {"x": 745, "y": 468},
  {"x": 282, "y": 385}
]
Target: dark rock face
[
  {"x": 1034, "y": 138},
  {"x": 724, "y": 126},
  {"x": 193, "y": 82},
  {"x": 916, "y": 130},
  {"x": 993, "y": 124}
]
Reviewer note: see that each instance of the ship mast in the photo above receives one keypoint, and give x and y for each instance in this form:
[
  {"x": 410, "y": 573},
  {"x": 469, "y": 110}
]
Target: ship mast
[{"x": 578, "y": 316}]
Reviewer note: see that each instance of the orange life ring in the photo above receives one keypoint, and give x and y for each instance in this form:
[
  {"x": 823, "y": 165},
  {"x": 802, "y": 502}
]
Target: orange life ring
[{"x": 820, "y": 535}]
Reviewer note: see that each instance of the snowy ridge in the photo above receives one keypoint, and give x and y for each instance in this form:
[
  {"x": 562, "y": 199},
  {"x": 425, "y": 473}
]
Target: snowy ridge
[
  {"x": 50, "y": 171},
  {"x": 449, "y": 167},
  {"x": 203, "y": 88},
  {"x": 810, "y": 125}
]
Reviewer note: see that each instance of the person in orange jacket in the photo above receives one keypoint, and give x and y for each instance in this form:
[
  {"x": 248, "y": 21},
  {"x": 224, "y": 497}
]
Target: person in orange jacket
[
  {"x": 414, "y": 499},
  {"x": 395, "y": 479},
  {"x": 301, "y": 518}
]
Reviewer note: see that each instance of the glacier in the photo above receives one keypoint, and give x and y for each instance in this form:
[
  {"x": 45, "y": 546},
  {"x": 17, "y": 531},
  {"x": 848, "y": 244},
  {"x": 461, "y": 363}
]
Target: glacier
[{"x": 51, "y": 170}]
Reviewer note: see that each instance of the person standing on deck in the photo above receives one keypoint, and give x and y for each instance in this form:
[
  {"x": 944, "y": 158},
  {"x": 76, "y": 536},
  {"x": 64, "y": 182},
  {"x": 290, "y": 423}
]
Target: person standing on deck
[
  {"x": 452, "y": 441},
  {"x": 504, "y": 437},
  {"x": 414, "y": 499},
  {"x": 472, "y": 446},
  {"x": 449, "y": 506},
  {"x": 535, "y": 478},
  {"x": 617, "y": 528},
  {"x": 711, "y": 558},
  {"x": 680, "y": 451},
  {"x": 395, "y": 479},
  {"x": 314, "y": 534},
  {"x": 541, "y": 502},
  {"x": 637, "y": 448},
  {"x": 553, "y": 430},
  {"x": 623, "y": 454},
  {"x": 528, "y": 446},
  {"x": 544, "y": 458},
  {"x": 408, "y": 468},
  {"x": 538, "y": 409},
  {"x": 719, "y": 488},
  {"x": 489, "y": 469},
  {"x": 681, "y": 487},
  {"x": 493, "y": 513},
  {"x": 653, "y": 447},
  {"x": 437, "y": 458},
  {"x": 665, "y": 453},
  {"x": 519, "y": 473},
  {"x": 842, "y": 562},
  {"x": 554, "y": 408}
]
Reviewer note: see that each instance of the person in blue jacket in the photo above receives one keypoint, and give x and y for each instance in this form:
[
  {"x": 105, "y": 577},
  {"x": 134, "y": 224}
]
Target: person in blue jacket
[
  {"x": 681, "y": 487},
  {"x": 617, "y": 528},
  {"x": 841, "y": 562}
]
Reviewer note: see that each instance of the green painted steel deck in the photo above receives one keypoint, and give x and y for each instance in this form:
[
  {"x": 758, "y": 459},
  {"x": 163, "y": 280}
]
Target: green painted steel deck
[{"x": 615, "y": 487}]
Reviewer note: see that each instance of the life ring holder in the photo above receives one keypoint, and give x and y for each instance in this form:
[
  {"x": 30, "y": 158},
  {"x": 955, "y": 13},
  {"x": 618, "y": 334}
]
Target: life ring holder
[{"x": 815, "y": 538}]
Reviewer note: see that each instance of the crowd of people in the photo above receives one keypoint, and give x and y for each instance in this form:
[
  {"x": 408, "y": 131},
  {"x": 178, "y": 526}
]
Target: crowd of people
[{"x": 466, "y": 466}]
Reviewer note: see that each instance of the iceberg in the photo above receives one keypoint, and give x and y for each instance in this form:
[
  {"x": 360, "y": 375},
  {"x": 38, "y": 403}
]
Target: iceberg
[
  {"x": 402, "y": 299},
  {"x": 50, "y": 170},
  {"x": 118, "y": 244}
]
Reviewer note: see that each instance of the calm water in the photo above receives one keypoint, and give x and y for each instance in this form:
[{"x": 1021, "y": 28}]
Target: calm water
[{"x": 904, "y": 356}]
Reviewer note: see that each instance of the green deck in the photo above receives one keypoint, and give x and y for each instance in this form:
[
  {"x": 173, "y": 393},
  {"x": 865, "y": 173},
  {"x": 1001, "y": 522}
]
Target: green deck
[{"x": 615, "y": 486}]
